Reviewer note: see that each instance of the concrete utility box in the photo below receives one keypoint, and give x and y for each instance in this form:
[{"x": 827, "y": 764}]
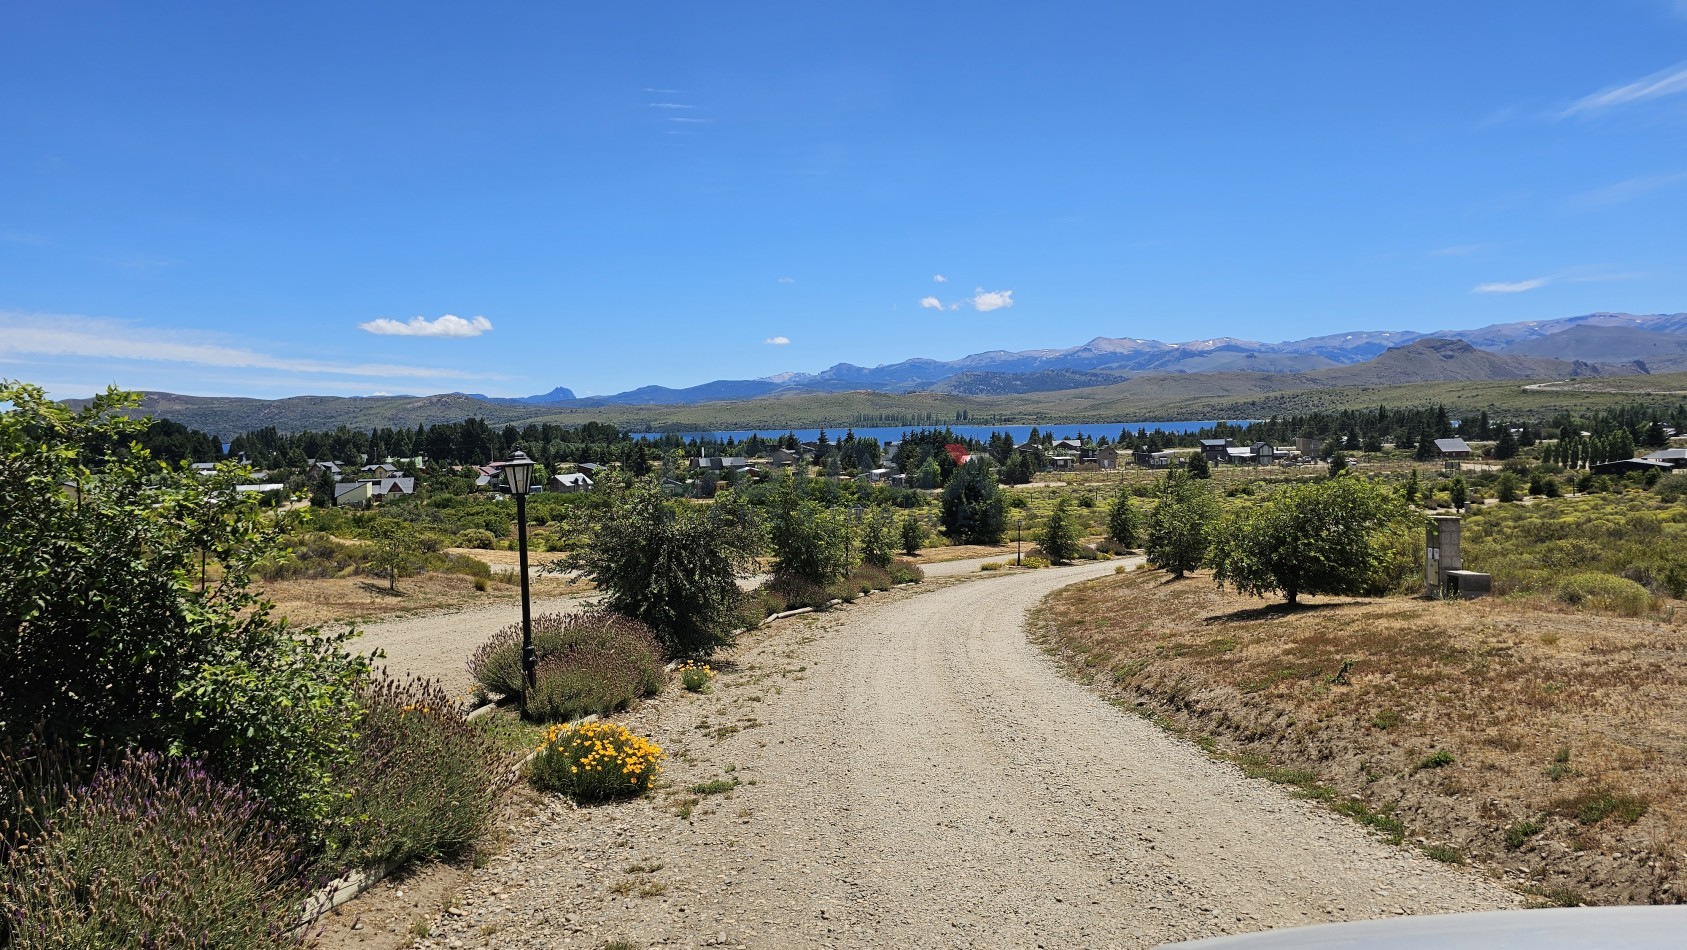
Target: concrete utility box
[
  {"x": 1441, "y": 552},
  {"x": 1468, "y": 585}
]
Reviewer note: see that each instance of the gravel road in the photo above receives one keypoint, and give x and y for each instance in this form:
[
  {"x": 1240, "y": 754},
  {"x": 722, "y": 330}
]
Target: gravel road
[
  {"x": 437, "y": 646},
  {"x": 915, "y": 774}
]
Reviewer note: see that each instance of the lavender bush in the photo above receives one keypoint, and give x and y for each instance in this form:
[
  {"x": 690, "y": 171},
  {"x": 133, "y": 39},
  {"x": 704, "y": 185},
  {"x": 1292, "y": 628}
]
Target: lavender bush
[
  {"x": 620, "y": 653},
  {"x": 153, "y": 852},
  {"x": 423, "y": 782}
]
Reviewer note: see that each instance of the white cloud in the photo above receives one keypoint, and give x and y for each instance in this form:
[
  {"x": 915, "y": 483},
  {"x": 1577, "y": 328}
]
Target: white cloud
[
  {"x": 688, "y": 119},
  {"x": 931, "y": 303},
  {"x": 670, "y": 105},
  {"x": 1666, "y": 82},
  {"x": 939, "y": 278},
  {"x": 787, "y": 280},
  {"x": 1626, "y": 190},
  {"x": 447, "y": 325},
  {"x": 50, "y": 335},
  {"x": 1515, "y": 287},
  {"x": 1459, "y": 250},
  {"x": 987, "y": 300},
  {"x": 777, "y": 340}
]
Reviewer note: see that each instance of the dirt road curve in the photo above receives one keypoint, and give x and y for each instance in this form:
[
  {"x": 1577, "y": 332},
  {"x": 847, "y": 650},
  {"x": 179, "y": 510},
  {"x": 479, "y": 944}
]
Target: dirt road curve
[
  {"x": 922, "y": 777},
  {"x": 437, "y": 646}
]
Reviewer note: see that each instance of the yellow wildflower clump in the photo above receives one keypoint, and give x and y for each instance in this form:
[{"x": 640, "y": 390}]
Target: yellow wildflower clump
[
  {"x": 696, "y": 677},
  {"x": 595, "y": 761}
]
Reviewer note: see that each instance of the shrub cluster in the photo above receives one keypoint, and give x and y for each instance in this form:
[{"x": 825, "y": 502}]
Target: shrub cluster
[
  {"x": 1542, "y": 548},
  {"x": 423, "y": 781},
  {"x": 696, "y": 677},
  {"x": 595, "y": 761},
  {"x": 588, "y": 663},
  {"x": 1605, "y": 594},
  {"x": 782, "y": 593},
  {"x": 155, "y": 852}
]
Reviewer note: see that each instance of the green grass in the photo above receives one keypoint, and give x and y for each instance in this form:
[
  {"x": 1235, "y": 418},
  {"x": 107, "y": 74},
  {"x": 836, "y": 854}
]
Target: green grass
[
  {"x": 1519, "y": 834},
  {"x": 1596, "y": 805},
  {"x": 1440, "y": 758},
  {"x": 716, "y": 787},
  {"x": 1391, "y": 827},
  {"x": 1446, "y": 854}
]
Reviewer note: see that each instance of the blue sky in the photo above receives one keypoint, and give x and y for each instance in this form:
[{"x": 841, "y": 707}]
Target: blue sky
[{"x": 220, "y": 198}]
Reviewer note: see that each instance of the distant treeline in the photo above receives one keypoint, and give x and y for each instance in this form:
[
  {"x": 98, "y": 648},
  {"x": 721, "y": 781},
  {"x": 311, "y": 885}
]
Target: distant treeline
[{"x": 474, "y": 441}]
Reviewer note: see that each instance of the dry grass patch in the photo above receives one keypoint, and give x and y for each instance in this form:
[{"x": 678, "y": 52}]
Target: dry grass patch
[{"x": 1550, "y": 742}]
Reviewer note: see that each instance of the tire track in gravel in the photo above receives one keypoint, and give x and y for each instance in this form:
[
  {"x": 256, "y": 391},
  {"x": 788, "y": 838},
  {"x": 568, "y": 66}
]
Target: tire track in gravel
[{"x": 924, "y": 777}]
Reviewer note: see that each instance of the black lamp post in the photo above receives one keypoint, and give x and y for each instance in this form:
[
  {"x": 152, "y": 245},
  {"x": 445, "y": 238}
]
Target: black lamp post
[
  {"x": 1018, "y": 539},
  {"x": 518, "y": 479}
]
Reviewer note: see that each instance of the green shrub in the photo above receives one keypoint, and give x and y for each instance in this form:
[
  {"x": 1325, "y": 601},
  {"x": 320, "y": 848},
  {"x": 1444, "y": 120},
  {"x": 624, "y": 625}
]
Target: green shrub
[
  {"x": 990, "y": 566},
  {"x": 589, "y": 679},
  {"x": 423, "y": 782},
  {"x": 905, "y": 572},
  {"x": 1605, "y": 594},
  {"x": 1516, "y": 836},
  {"x": 476, "y": 538},
  {"x": 154, "y": 852},
  {"x": 497, "y": 664},
  {"x": 790, "y": 593},
  {"x": 595, "y": 761},
  {"x": 1035, "y": 560}
]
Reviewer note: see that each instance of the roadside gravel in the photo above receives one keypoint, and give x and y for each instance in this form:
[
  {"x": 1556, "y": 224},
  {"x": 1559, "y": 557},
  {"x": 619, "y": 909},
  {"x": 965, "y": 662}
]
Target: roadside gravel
[{"x": 915, "y": 774}]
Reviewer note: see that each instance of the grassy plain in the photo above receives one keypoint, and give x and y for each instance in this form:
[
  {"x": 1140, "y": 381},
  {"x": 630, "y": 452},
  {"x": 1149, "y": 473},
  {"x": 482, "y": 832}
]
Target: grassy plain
[{"x": 1546, "y": 743}]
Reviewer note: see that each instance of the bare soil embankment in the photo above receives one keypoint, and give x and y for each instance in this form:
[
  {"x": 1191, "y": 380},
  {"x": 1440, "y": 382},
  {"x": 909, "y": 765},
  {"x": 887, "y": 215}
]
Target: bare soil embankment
[{"x": 1550, "y": 746}]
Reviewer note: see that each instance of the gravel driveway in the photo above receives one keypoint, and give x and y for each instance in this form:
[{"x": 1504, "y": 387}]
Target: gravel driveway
[
  {"x": 437, "y": 646},
  {"x": 915, "y": 774}
]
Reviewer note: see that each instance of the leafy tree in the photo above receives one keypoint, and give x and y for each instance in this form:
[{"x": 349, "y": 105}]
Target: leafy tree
[
  {"x": 106, "y": 636},
  {"x": 1341, "y": 536},
  {"x": 1177, "y": 526},
  {"x": 1458, "y": 491},
  {"x": 1338, "y": 464},
  {"x": 1059, "y": 537},
  {"x": 1506, "y": 446},
  {"x": 1508, "y": 486},
  {"x": 929, "y": 475},
  {"x": 807, "y": 540},
  {"x": 1123, "y": 524},
  {"x": 878, "y": 540},
  {"x": 973, "y": 510},
  {"x": 913, "y": 534},
  {"x": 672, "y": 565},
  {"x": 394, "y": 550},
  {"x": 1199, "y": 467},
  {"x": 1413, "y": 488}
]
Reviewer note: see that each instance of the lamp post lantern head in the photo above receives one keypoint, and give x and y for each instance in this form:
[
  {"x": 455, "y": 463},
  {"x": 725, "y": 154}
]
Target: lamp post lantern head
[{"x": 518, "y": 474}]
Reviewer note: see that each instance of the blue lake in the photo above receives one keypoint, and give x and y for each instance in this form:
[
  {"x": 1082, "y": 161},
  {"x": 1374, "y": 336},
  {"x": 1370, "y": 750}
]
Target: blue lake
[{"x": 895, "y": 433}]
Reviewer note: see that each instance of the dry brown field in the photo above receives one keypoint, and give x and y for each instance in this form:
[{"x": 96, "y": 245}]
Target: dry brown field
[{"x": 1545, "y": 744}]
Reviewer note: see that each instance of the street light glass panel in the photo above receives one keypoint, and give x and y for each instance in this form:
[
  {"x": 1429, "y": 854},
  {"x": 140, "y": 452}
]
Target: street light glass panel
[{"x": 518, "y": 474}]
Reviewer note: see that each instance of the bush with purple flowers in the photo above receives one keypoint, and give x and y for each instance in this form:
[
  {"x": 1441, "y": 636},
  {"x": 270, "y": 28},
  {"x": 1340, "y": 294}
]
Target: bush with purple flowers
[{"x": 154, "y": 852}]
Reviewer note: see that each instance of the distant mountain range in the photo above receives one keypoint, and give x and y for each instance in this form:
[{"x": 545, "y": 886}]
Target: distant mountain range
[
  {"x": 1615, "y": 338},
  {"x": 1591, "y": 345}
]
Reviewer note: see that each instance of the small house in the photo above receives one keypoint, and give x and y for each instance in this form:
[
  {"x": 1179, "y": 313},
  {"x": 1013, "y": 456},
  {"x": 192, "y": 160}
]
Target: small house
[
  {"x": 372, "y": 489},
  {"x": 1624, "y": 466},
  {"x": 569, "y": 484},
  {"x": 1452, "y": 448},
  {"x": 377, "y": 470},
  {"x": 783, "y": 457},
  {"x": 1107, "y": 458},
  {"x": 1215, "y": 449},
  {"x": 958, "y": 452},
  {"x": 1676, "y": 458},
  {"x": 1309, "y": 447}
]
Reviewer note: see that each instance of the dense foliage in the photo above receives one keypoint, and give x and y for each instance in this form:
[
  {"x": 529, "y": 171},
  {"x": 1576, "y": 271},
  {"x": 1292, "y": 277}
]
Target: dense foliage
[
  {"x": 595, "y": 761},
  {"x": 1177, "y": 525},
  {"x": 107, "y": 633},
  {"x": 669, "y": 564},
  {"x": 973, "y": 509},
  {"x": 1340, "y": 535}
]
